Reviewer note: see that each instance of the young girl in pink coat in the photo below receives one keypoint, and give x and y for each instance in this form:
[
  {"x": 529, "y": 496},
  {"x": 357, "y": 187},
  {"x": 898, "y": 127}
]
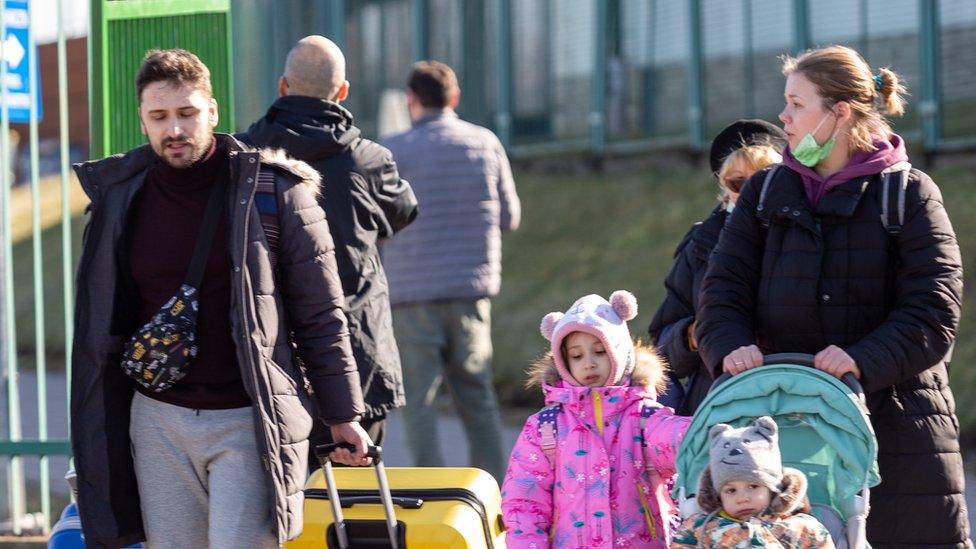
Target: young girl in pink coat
[{"x": 591, "y": 468}]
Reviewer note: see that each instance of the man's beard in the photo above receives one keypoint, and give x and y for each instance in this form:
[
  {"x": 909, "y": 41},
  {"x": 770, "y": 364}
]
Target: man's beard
[{"x": 191, "y": 156}]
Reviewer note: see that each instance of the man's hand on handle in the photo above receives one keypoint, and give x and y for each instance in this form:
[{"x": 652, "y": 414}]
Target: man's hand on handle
[
  {"x": 354, "y": 434},
  {"x": 742, "y": 359}
]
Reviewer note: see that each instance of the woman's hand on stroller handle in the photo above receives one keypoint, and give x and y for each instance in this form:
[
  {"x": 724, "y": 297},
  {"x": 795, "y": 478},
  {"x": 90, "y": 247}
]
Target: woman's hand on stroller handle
[
  {"x": 836, "y": 362},
  {"x": 744, "y": 358},
  {"x": 847, "y": 372}
]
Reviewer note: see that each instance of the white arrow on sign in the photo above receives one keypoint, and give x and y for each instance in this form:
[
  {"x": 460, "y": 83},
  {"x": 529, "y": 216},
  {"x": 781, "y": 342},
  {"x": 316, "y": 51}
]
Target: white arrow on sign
[{"x": 13, "y": 51}]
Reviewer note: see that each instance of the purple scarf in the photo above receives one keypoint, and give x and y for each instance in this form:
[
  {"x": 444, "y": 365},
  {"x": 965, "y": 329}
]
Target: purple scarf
[{"x": 885, "y": 154}]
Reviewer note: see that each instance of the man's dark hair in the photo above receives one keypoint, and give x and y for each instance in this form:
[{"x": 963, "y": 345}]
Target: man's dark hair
[
  {"x": 176, "y": 66},
  {"x": 433, "y": 83}
]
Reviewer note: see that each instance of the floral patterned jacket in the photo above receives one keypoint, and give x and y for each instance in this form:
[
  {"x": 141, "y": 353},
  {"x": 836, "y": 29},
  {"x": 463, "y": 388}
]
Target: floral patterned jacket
[
  {"x": 606, "y": 484},
  {"x": 783, "y": 525}
]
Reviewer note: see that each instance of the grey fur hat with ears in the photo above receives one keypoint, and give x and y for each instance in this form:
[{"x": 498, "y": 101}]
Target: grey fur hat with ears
[
  {"x": 750, "y": 454},
  {"x": 791, "y": 497}
]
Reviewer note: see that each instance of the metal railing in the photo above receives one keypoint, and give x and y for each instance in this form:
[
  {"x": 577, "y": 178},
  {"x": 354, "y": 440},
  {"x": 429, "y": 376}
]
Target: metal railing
[
  {"x": 16, "y": 445},
  {"x": 607, "y": 76}
]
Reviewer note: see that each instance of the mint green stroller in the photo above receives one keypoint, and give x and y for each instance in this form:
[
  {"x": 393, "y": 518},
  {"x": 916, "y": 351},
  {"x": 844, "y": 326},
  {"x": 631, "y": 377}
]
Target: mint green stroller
[{"x": 824, "y": 431}]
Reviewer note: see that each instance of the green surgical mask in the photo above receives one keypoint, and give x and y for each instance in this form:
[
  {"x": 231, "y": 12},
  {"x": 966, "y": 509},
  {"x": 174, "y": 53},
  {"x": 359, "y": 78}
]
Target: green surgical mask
[{"x": 808, "y": 152}]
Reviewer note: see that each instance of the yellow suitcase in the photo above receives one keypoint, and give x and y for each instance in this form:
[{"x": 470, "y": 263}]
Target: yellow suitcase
[{"x": 433, "y": 507}]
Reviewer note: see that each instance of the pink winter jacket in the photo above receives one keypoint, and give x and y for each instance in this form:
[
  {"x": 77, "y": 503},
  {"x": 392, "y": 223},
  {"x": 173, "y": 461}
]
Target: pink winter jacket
[{"x": 598, "y": 493}]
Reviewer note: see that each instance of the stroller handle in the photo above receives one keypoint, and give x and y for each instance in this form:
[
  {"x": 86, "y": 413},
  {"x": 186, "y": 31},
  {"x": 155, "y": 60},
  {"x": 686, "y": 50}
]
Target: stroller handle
[{"x": 801, "y": 359}]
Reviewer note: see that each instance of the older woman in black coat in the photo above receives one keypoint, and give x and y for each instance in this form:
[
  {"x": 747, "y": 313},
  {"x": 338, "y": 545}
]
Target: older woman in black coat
[
  {"x": 737, "y": 152},
  {"x": 865, "y": 275}
]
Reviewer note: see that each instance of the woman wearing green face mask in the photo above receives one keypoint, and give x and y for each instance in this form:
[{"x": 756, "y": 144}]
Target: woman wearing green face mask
[{"x": 820, "y": 260}]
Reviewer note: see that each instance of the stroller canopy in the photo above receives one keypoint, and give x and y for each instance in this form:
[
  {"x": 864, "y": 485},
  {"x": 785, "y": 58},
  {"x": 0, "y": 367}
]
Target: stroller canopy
[{"x": 824, "y": 430}]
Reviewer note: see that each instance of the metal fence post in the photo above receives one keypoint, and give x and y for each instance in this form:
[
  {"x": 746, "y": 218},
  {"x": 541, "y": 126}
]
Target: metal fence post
[
  {"x": 335, "y": 22},
  {"x": 801, "y": 25},
  {"x": 598, "y": 81},
  {"x": 15, "y": 467},
  {"x": 418, "y": 21},
  {"x": 40, "y": 351},
  {"x": 696, "y": 84},
  {"x": 929, "y": 107},
  {"x": 503, "y": 97},
  {"x": 67, "y": 264},
  {"x": 477, "y": 74},
  {"x": 748, "y": 64},
  {"x": 97, "y": 80},
  {"x": 862, "y": 28},
  {"x": 648, "y": 89}
]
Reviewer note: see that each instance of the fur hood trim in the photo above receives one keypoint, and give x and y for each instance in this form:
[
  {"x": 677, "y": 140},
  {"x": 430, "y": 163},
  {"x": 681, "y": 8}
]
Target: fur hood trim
[
  {"x": 791, "y": 499},
  {"x": 649, "y": 370},
  {"x": 280, "y": 159}
]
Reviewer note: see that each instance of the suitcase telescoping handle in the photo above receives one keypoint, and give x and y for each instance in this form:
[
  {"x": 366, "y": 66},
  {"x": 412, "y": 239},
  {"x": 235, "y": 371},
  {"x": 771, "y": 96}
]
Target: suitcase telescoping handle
[{"x": 376, "y": 452}]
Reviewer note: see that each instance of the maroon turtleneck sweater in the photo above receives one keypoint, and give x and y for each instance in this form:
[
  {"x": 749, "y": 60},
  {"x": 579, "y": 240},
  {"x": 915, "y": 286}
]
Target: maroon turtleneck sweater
[{"x": 169, "y": 212}]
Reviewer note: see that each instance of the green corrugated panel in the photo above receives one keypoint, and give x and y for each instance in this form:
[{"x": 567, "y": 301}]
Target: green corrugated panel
[{"x": 123, "y": 30}]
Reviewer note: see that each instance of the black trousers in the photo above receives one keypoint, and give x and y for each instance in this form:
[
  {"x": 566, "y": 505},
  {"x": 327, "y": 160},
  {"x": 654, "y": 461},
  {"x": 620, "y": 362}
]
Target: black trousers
[{"x": 375, "y": 428}]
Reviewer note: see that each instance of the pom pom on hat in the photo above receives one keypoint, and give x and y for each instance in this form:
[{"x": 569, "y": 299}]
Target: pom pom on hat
[
  {"x": 624, "y": 304},
  {"x": 549, "y": 324}
]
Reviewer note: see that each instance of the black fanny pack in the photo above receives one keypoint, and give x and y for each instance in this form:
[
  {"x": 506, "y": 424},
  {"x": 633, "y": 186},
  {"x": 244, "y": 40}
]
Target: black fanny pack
[{"x": 160, "y": 353}]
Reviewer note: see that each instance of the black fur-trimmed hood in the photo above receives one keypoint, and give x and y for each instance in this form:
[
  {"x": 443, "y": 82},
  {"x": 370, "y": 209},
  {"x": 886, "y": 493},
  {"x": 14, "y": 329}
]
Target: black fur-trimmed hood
[{"x": 279, "y": 158}]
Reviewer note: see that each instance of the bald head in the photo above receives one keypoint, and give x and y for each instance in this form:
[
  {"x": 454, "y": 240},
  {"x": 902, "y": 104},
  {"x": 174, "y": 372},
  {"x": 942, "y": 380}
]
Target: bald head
[{"x": 315, "y": 67}]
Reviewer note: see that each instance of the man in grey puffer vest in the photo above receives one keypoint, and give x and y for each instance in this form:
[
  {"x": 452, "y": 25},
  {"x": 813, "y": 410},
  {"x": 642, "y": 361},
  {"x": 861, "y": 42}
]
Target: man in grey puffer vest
[
  {"x": 444, "y": 268},
  {"x": 365, "y": 201}
]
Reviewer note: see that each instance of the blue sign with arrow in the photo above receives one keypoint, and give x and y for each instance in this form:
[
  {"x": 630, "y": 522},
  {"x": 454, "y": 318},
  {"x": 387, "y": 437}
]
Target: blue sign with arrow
[{"x": 18, "y": 58}]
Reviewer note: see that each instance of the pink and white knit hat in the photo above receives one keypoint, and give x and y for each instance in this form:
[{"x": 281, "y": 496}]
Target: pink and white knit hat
[{"x": 607, "y": 321}]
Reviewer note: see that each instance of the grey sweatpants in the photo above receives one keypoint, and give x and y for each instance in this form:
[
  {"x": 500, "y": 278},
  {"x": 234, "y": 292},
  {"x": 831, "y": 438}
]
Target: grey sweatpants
[{"x": 201, "y": 482}]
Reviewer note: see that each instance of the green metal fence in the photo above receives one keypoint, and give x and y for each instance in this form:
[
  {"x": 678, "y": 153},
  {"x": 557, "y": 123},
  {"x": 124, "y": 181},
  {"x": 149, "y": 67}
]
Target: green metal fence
[
  {"x": 611, "y": 76},
  {"x": 16, "y": 445},
  {"x": 122, "y": 31}
]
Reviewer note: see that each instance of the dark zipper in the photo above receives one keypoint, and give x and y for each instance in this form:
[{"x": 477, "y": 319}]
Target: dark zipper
[
  {"x": 822, "y": 242},
  {"x": 263, "y": 443},
  {"x": 426, "y": 494}
]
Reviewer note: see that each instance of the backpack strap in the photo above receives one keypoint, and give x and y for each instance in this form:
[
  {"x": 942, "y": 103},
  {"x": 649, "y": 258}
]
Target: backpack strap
[
  {"x": 894, "y": 183},
  {"x": 647, "y": 410},
  {"x": 266, "y": 201},
  {"x": 760, "y": 206},
  {"x": 547, "y": 423},
  {"x": 548, "y": 429}
]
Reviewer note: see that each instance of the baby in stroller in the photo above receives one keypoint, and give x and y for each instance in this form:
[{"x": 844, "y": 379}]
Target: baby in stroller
[{"x": 747, "y": 498}]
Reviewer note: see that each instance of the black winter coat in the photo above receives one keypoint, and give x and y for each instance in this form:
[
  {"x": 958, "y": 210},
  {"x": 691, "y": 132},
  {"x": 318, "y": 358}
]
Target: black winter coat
[
  {"x": 276, "y": 313},
  {"x": 365, "y": 200},
  {"x": 669, "y": 327},
  {"x": 833, "y": 275}
]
